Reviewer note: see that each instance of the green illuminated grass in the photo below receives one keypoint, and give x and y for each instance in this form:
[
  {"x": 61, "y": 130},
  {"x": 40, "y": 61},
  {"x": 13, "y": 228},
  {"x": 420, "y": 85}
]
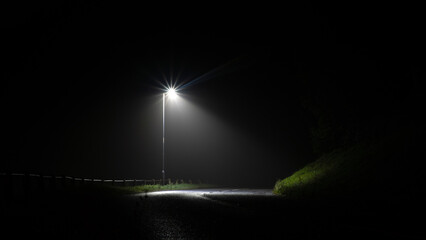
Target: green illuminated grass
[
  {"x": 111, "y": 190},
  {"x": 380, "y": 173},
  {"x": 333, "y": 174}
]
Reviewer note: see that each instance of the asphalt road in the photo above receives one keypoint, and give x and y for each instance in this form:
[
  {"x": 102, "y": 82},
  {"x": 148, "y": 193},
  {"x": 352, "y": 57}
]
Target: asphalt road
[
  {"x": 250, "y": 214},
  {"x": 209, "y": 214},
  {"x": 198, "y": 214}
]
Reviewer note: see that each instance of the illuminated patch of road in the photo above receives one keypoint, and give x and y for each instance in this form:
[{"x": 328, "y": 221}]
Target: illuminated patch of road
[
  {"x": 192, "y": 214},
  {"x": 198, "y": 192},
  {"x": 216, "y": 195}
]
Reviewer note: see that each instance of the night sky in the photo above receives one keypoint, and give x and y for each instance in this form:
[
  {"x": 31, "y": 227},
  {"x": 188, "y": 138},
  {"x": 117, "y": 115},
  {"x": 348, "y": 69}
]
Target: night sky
[{"x": 82, "y": 83}]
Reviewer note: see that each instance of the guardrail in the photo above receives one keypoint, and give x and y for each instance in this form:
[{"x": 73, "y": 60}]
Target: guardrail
[{"x": 15, "y": 183}]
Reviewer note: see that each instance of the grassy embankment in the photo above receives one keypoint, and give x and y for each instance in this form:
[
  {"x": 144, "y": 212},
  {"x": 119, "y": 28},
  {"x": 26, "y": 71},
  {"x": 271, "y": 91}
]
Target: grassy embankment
[
  {"x": 386, "y": 169},
  {"x": 331, "y": 172}
]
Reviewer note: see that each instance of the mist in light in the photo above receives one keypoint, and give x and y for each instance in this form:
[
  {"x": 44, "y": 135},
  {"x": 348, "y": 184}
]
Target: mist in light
[{"x": 200, "y": 145}]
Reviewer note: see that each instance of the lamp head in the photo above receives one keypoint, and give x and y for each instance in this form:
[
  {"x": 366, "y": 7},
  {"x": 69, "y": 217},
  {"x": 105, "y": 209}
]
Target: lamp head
[{"x": 171, "y": 93}]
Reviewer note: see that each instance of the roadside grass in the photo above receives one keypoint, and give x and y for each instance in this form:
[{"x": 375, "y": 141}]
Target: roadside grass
[
  {"x": 373, "y": 169},
  {"x": 377, "y": 185},
  {"x": 104, "y": 189},
  {"x": 387, "y": 168},
  {"x": 332, "y": 172}
]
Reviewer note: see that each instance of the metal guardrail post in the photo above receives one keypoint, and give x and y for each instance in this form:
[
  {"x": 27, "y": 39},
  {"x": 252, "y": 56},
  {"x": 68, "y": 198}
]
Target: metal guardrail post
[
  {"x": 63, "y": 183},
  {"x": 41, "y": 183},
  {"x": 9, "y": 184},
  {"x": 73, "y": 181},
  {"x": 26, "y": 184},
  {"x": 53, "y": 182}
]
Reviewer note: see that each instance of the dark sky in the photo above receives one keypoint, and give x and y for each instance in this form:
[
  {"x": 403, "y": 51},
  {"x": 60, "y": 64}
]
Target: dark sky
[{"x": 82, "y": 89}]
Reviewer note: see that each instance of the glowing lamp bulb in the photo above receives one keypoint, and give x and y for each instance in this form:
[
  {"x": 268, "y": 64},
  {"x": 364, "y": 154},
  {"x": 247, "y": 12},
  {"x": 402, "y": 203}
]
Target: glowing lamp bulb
[{"x": 171, "y": 92}]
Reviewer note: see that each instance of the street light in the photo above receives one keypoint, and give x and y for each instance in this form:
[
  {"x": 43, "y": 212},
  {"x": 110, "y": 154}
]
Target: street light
[{"x": 171, "y": 93}]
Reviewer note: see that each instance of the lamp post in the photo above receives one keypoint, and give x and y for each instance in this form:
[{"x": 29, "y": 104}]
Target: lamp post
[{"x": 171, "y": 93}]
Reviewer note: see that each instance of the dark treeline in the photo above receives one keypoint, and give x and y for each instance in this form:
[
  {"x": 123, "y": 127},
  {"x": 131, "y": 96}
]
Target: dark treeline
[
  {"x": 364, "y": 79},
  {"x": 357, "y": 106},
  {"x": 375, "y": 101}
]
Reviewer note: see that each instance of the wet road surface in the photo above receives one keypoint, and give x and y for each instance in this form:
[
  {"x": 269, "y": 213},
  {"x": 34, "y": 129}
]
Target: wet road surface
[
  {"x": 209, "y": 214},
  {"x": 199, "y": 214},
  {"x": 247, "y": 214}
]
